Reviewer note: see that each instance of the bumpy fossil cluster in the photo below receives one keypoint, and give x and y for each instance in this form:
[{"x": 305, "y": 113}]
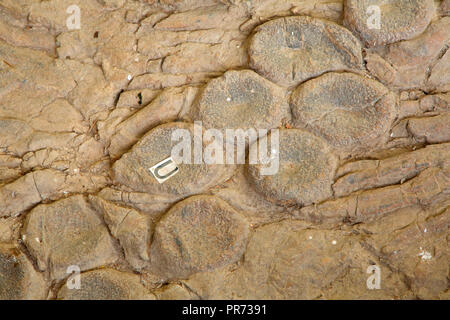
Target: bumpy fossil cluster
[{"x": 363, "y": 124}]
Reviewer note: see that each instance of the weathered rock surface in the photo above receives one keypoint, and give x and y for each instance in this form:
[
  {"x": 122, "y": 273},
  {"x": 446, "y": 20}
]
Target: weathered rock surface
[
  {"x": 410, "y": 64},
  {"x": 352, "y": 113},
  {"x": 424, "y": 120},
  {"x": 164, "y": 108},
  {"x": 430, "y": 187},
  {"x": 130, "y": 227},
  {"x": 288, "y": 260},
  {"x": 291, "y": 50},
  {"x": 370, "y": 174},
  {"x": 175, "y": 292},
  {"x": 18, "y": 279},
  {"x": 9, "y": 229},
  {"x": 107, "y": 284},
  {"x": 398, "y": 19},
  {"x": 445, "y": 7},
  {"x": 425, "y": 105},
  {"x": 44, "y": 185},
  {"x": 415, "y": 243}
]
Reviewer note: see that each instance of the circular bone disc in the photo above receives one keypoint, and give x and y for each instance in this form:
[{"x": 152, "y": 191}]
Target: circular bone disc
[
  {"x": 306, "y": 170},
  {"x": 291, "y": 50},
  {"x": 197, "y": 234},
  {"x": 242, "y": 100},
  {"x": 349, "y": 111},
  {"x": 398, "y": 19}
]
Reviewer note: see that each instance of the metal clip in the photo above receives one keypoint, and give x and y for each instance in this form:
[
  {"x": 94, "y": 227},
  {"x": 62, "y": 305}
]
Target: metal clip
[{"x": 164, "y": 170}]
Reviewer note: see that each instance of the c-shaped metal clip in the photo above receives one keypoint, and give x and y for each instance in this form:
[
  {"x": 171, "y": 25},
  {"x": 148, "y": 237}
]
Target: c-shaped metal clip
[{"x": 164, "y": 169}]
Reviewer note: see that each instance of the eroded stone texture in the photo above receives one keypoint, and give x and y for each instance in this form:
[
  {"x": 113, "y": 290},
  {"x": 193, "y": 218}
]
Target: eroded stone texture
[
  {"x": 9, "y": 229},
  {"x": 65, "y": 233},
  {"x": 430, "y": 187},
  {"x": 306, "y": 170},
  {"x": 418, "y": 249},
  {"x": 242, "y": 100},
  {"x": 198, "y": 234},
  {"x": 165, "y": 107},
  {"x": 144, "y": 202},
  {"x": 424, "y": 120},
  {"x": 291, "y": 50},
  {"x": 431, "y": 130},
  {"x": 193, "y": 51},
  {"x": 175, "y": 291},
  {"x": 158, "y": 81},
  {"x": 133, "y": 171},
  {"x": 398, "y": 19},
  {"x": 370, "y": 174},
  {"x": 107, "y": 284},
  {"x": 240, "y": 193},
  {"x": 292, "y": 259},
  {"x": 445, "y": 7},
  {"x": 18, "y": 279},
  {"x": 9, "y": 168},
  {"x": 130, "y": 227},
  {"x": 410, "y": 64},
  {"x": 288, "y": 260},
  {"x": 352, "y": 113},
  {"x": 439, "y": 78},
  {"x": 44, "y": 185},
  {"x": 427, "y": 105}
]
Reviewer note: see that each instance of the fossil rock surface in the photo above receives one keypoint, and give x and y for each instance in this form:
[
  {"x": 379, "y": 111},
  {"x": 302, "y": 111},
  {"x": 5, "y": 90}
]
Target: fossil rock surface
[
  {"x": 107, "y": 284},
  {"x": 294, "y": 49},
  {"x": 398, "y": 19},
  {"x": 91, "y": 103},
  {"x": 353, "y": 113}
]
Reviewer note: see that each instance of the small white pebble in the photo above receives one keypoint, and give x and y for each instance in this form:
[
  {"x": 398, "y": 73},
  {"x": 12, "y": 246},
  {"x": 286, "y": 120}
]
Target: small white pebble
[
  {"x": 228, "y": 99},
  {"x": 129, "y": 77},
  {"x": 76, "y": 170},
  {"x": 292, "y": 32},
  {"x": 37, "y": 240},
  {"x": 392, "y": 134},
  {"x": 24, "y": 237},
  {"x": 13, "y": 194},
  {"x": 425, "y": 230},
  {"x": 136, "y": 59},
  {"x": 334, "y": 242},
  {"x": 425, "y": 255},
  {"x": 238, "y": 46},
  {"x": 310, "y": 237}
]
